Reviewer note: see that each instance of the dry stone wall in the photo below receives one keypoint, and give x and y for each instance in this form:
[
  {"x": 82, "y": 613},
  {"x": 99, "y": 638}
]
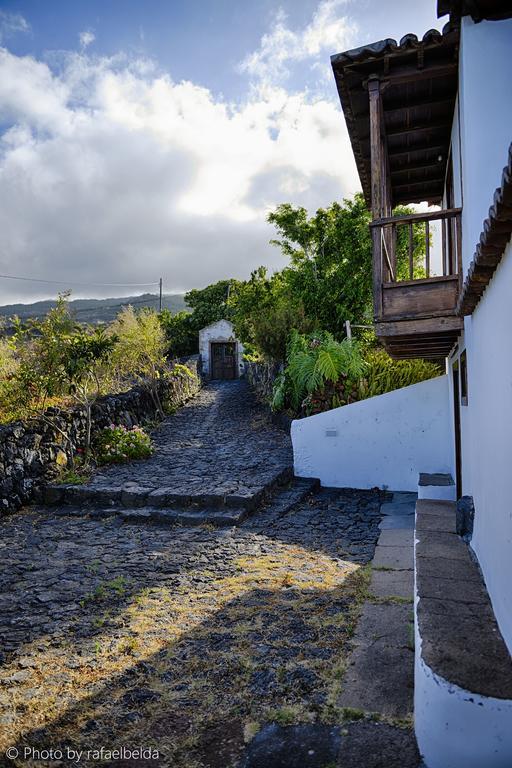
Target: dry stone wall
[
  {"x": 32, "y": 451},
  {"x": 261, "y": 377}
]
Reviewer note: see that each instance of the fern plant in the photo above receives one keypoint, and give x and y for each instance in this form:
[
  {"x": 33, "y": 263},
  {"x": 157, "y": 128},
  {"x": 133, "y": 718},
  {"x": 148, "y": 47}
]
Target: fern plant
[
  {"x": 323, "y": 373},
  {"x": 316, "y": 362}
]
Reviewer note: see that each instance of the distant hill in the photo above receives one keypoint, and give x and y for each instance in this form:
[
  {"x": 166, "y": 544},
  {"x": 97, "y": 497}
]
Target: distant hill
[{"x": 95, "y": 310}]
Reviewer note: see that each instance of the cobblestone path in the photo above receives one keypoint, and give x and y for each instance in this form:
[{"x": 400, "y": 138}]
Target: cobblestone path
[
  {"x": 221, "y": 443},
  {"x": 185, "y": 640}
]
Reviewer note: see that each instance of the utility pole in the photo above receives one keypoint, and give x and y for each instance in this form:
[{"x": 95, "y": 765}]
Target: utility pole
[{"x": 160, "y": 297}]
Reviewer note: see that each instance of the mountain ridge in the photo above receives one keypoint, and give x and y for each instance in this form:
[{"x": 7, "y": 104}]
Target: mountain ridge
[{"x": 94, "y": 310}]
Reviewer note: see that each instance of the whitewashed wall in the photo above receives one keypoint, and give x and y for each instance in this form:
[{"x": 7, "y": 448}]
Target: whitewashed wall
[
  {"x": 220, "y": 331},
  {"x": 485, "y": 79},
  {"x": 383, "y": 441},
  {"x": 487, "y": 438}
]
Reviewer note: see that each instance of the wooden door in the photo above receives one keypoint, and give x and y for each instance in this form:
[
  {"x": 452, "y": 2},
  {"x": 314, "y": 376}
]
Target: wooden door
[{"x": 223, "y": 360}]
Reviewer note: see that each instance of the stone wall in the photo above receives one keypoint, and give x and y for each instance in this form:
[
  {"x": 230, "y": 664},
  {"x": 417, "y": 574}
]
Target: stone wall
[
  {"x": 33, "y": 451},
  {"x": 261, "y": 377}
]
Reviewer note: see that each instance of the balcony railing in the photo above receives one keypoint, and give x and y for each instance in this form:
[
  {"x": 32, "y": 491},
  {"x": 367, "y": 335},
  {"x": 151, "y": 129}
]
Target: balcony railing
[{"x": 410, "y": 287}]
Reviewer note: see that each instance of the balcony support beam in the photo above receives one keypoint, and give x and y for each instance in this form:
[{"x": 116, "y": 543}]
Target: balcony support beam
[{"x": 380, "y": 190}]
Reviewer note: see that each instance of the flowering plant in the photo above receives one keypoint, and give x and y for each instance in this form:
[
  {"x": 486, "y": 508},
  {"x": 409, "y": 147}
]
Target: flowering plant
[{"x": 117, "y": 443}]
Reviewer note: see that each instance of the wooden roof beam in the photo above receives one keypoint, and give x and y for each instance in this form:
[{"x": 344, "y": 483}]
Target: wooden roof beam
[
  {"x": 438, "y": 148},
  {"x": 409, "y": 74},
  {"x": 417, "y": 128},
  {"x": 413, "y": 169}
]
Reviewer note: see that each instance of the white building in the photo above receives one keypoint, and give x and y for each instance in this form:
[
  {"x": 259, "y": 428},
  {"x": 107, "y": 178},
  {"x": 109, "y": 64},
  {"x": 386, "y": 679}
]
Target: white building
[
  {"x": 430, "y": 121},
  {"x": 220, "y": 351}
]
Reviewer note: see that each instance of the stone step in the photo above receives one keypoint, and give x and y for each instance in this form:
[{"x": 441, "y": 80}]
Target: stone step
[
  {"x": 217, "y": 515},
  {"x": 463, "y": 666},
  {"x": 436, "y": 485},
  {"x": 134, "y": 496}
]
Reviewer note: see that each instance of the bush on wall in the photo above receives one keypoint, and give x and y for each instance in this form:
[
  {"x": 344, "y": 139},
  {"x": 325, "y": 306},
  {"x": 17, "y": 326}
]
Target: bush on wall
[{"x": 322, "y": 373}]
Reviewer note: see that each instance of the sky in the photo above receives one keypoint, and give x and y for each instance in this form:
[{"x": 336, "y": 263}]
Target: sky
[{"x": 141, "y": 140}]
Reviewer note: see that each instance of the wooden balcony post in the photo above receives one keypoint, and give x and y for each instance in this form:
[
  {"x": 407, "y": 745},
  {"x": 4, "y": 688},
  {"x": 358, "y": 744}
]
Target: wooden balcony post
[{"x": 377, "y": 169}]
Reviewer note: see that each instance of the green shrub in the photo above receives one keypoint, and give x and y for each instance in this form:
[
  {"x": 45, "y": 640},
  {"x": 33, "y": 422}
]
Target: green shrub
[
  {"x": 383, "y": 374},
  {"x": 323, "y": 373},
  {"x": 118, "y": 444}
]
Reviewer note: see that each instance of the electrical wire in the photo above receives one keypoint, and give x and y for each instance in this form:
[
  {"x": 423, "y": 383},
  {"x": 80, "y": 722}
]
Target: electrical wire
[{"x": 87, "y": 285}]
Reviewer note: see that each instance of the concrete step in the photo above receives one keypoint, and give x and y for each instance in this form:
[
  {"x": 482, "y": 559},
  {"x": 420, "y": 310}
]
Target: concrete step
[{"x": 436, "y": 485}]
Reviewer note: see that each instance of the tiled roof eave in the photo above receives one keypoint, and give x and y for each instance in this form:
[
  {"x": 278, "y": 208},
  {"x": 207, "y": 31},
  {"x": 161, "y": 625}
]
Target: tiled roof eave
[{"x": 496, "y": 233}]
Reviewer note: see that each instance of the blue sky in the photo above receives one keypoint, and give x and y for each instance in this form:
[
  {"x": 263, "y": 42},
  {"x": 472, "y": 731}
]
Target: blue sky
[{"x": 147, "y": 138}]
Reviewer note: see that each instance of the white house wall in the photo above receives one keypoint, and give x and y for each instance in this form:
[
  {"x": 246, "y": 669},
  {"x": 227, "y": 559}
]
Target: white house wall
[
  {"x": 487, "y": 438},
  {"x": 385, "y": 440},
  {"x": 485, "y": 77}
]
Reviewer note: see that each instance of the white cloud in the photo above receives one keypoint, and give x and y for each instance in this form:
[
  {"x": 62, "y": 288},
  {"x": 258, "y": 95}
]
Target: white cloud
[
  {"x": 113, "y": 172},
  {"x": 11, "y": 24},
  {"x": 328, "y": 32},
  {"x": 86, "y": 38}
]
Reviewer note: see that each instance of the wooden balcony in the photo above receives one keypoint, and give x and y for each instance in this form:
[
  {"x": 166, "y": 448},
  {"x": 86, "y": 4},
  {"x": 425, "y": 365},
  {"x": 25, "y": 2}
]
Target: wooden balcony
[{"x": 415, "y": 302}]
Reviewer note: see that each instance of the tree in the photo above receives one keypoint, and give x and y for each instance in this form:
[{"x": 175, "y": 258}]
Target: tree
[
  {"x": 211, "y": 303},
  {"x": 57, "y": 357},
  {"x": 182, "y": 336},
  {"x": 208, "y": 305},
  {"x": 84, "y": 354},
  {"x": 139, "y": 351},
  {"x": 330, "y": 254},
  {"x": 264, "y": 313}
]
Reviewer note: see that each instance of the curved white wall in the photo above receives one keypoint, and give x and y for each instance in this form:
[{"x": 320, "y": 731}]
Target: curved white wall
[{"x": 383, "y": 441}]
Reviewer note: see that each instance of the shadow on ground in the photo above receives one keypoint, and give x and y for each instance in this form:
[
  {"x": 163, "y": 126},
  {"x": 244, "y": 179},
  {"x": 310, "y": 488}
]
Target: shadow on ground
[{"x": 184, "y": 640}]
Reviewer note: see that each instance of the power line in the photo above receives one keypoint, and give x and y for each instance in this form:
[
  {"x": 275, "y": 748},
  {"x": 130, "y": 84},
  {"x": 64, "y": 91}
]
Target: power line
[
  {"x": 112, "y": 306},
  {"x": 87, "y": 285}
]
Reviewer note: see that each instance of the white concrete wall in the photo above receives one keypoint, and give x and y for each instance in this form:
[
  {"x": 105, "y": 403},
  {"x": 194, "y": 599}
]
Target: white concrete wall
[
  {"x": 487, "y": 439},
  {"x": 457, "y": 728},
  {"x": 220, "y": 331},
  {"x": 485, "y": 79},
  {"x": 383, "y": 441},
  {"x": 481, "y": 135}
]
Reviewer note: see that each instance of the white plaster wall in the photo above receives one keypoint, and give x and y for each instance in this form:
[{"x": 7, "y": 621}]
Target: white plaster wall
[
  {"x": 487, "y": 438},
  {"x": 220, "y": 331},
  {"x": 456, "y": 728},
  {"x": 485, "y": 78},
  {"x": 385, "y": 440}
]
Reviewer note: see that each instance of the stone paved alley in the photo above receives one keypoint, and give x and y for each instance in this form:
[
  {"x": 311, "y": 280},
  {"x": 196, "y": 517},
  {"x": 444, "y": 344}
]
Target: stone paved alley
[{"x": 199, "y": 641}]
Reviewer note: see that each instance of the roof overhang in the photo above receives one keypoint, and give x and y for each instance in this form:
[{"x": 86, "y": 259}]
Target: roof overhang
[
  {"x": 477, "y": 9},
  {"x": 419, "y": 80}
]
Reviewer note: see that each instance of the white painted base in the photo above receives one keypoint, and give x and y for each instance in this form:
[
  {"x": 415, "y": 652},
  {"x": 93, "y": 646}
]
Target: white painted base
[
  {"x": 437, "y": 492},
  {"x": 458, "y": 729},
  {"x": 454, "y": 727}
]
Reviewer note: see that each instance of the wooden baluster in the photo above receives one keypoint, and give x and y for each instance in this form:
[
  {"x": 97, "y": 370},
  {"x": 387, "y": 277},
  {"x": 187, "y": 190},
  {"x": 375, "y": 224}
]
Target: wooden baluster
[
  {"x": 444, "y": 233},
  {"x": 393, "y": 252},
  {"x": 427, "y": 248},
  {"x": 377, "y": 272},
  {"x": 458, "y": 262},
  {"x": 411, "y": 260}
]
